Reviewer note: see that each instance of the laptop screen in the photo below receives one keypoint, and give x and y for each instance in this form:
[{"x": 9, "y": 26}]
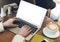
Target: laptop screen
[{"x": 31, "y": 13}]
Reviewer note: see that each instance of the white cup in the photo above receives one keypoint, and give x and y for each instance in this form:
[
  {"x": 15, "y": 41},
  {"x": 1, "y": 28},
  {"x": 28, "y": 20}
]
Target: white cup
[{"x": 52, "y": 28}]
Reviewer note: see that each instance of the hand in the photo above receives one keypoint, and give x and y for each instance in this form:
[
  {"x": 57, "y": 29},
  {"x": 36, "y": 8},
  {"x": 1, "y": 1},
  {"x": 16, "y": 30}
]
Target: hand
[
  {"x": 25, "y": 30},
  {"x": 9, "y": 23}
]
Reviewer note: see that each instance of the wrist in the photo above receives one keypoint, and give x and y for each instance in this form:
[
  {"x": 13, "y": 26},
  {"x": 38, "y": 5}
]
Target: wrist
[
  {"x": 21, "y": 35},
  {"x": 4, "y": 25}
]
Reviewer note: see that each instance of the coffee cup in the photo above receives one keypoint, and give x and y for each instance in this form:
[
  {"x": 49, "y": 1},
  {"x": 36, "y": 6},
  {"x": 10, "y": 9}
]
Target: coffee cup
[{"x": 52, "y": 28}]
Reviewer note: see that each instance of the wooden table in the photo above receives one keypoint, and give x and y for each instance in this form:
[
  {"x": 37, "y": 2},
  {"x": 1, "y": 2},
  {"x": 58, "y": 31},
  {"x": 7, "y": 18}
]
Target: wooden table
[{"x": 7, "y": 36}]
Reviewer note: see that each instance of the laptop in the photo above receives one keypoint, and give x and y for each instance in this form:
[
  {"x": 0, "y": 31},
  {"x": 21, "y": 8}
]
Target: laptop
[{"x": 29, "y": 14}]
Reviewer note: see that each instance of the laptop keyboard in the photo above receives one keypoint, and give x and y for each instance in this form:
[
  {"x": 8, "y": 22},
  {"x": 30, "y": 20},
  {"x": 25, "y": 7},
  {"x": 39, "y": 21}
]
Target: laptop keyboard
[{"x": 22, "y": 23}]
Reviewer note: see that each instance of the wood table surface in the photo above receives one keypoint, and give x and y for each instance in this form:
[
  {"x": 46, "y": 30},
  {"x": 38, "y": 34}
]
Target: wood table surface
[{"x": 7, "y": 35}]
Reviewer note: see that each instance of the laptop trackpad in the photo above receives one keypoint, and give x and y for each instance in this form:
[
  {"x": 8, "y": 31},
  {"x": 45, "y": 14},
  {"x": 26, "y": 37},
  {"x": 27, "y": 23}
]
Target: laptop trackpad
[{"x": 15, "y": 30}]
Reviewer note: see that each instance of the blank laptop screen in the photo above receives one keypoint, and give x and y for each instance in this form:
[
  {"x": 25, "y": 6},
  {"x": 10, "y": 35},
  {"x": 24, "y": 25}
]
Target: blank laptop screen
[{"x": 31, "y": 13}]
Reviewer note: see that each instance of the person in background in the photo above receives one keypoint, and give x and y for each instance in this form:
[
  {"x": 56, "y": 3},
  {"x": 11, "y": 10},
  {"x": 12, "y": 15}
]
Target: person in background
[{"x": 24, "y": 31}]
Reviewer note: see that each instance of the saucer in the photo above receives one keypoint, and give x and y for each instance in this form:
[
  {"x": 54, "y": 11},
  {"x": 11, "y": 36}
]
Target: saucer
[{"x": 47, "y": 34}]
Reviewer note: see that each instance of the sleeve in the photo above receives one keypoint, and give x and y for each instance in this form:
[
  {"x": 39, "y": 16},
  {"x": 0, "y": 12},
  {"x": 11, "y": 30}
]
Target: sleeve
[
  {"x": 1, "y": 27},
  {"x": 18, "y": 38}
]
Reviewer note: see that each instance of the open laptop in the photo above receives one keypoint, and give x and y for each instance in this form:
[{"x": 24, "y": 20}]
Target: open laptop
[{"x": 31, "y": 15}]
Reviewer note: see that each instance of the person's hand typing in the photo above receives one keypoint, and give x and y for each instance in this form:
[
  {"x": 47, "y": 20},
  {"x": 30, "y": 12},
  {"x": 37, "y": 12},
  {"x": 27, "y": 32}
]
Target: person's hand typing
[
  {"x": 9, "y": 23},
  {"x": 25, "y": 30}
]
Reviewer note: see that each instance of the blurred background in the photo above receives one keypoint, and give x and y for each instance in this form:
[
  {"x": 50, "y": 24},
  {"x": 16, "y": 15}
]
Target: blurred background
[{"x": 55, "y": 7}]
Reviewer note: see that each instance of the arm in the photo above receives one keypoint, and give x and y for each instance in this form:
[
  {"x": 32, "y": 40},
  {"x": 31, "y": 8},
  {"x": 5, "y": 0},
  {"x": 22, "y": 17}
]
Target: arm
[
  {"x": 8, "y": 23},
  {"x": 18, "y": 38},
  {"x": 24, "y": 31}
]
